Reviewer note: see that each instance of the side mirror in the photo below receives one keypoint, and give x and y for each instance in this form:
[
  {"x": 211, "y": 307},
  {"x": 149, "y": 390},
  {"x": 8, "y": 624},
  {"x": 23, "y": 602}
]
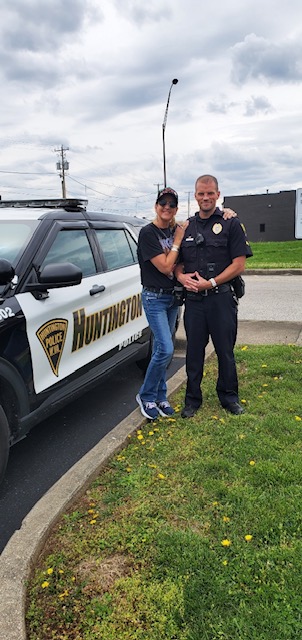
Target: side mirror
[
  {"x": 7, "y": 272},
  {"x": 54, "y": 276}
]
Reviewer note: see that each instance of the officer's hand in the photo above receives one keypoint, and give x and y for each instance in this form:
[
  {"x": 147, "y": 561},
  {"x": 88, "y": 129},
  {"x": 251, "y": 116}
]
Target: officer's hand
[
  {"x": 188, "y": 280},
  {"x": 228, "y": 213},
  {"x": 202, "y": 283}
]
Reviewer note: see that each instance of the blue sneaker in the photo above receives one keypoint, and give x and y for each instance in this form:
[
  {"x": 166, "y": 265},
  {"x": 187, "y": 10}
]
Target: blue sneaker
[
  {"x": 148, "y": 409},
  {"x": 165, "y": 409}
]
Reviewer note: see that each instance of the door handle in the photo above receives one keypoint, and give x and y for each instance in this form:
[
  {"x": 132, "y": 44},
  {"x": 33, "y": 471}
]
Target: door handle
[{"x": 95, "y": 289}]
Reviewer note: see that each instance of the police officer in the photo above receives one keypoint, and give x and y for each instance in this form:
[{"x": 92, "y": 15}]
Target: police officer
[{"x": 212, "y": 253}]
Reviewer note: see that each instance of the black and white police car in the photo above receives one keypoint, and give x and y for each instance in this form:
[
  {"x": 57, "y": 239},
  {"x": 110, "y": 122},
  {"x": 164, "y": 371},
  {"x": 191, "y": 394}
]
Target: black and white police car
[{"x": 70, "y": 307}]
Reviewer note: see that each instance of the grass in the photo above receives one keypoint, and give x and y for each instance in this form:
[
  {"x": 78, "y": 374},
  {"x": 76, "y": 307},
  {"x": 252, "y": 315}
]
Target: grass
[
  {"x": 276, "y": 255},
  {"x": 193, "y": 531}
]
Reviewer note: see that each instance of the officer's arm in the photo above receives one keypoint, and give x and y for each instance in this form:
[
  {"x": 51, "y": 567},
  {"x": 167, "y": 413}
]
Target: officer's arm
[{"x": 234, "y": 269}]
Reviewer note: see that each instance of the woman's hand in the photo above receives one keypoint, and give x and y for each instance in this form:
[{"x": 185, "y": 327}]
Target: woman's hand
[{"x": 228, "y": 213}]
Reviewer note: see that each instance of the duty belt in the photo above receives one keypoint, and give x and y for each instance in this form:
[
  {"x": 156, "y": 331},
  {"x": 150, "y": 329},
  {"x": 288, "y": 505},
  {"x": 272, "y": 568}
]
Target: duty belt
[
  {"x": 158, "y": 290},
  {"x": 221, "y": 288}
]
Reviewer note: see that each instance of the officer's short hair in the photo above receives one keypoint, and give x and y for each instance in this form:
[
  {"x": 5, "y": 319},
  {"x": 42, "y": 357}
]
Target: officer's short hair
[{"x": 207, "y": 178}]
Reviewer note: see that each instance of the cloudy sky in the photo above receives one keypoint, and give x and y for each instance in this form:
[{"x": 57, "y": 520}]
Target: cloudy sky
[{"x": 93, "y": 77}]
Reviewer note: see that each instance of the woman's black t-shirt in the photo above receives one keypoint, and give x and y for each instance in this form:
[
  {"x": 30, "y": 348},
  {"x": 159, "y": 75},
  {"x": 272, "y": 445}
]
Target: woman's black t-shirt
[{"x": 152, "y": 242}]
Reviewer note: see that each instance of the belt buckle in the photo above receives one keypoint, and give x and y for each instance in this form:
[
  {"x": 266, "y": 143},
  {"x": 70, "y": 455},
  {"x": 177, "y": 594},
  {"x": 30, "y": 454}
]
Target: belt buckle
[{"x": 204, "y": 292}]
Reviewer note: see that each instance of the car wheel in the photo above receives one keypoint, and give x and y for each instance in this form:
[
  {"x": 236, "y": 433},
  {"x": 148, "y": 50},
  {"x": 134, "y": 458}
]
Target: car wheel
[{"x": 4, "y": 443}]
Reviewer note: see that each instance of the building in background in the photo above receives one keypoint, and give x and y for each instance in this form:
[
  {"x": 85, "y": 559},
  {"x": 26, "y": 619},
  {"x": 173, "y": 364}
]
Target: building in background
[{"x": 268, "y": 217}]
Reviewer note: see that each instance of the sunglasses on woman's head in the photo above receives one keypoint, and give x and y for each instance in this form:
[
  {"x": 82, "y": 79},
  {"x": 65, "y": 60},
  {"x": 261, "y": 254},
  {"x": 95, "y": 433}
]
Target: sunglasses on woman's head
[{"x": 165, "y": 203}]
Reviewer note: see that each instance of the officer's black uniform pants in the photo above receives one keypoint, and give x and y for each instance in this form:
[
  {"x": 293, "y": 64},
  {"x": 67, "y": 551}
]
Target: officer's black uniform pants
[{"x": 213, "y": 315}]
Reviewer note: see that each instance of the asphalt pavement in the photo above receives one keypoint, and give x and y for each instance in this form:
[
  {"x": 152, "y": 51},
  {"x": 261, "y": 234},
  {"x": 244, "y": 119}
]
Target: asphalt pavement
[{"x": 19, "y": 555}]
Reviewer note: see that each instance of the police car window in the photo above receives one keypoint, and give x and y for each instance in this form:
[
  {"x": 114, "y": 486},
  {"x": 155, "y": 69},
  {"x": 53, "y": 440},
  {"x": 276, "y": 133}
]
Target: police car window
[
  {"x": 14, "y": 237},
  {"x": 118, "y": 248},
  {"x": 71, "y": 245}
]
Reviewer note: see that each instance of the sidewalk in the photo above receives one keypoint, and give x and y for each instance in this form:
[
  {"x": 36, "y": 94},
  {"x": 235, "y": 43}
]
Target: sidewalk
[{"x": 19, "y": 555}]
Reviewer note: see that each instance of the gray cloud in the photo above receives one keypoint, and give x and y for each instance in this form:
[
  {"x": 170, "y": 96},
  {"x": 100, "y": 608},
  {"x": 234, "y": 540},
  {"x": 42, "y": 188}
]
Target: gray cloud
[
  {"x": 139, "y": 13},
  {"x": 258, "y": 58},
  {"x": 258, "y": 104},
  {"x": 32, "y": 25}
]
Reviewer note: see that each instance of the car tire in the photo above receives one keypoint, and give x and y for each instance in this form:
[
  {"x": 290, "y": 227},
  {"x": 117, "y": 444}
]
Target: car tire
[{"x": 4, "y": 443}]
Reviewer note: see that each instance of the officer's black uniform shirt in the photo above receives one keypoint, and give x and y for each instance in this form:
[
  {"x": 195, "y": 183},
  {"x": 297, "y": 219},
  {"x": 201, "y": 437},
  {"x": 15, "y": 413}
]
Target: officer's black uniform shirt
[
  {"x": 210, "y": 244},
  {"x": 152, "y": 242}
]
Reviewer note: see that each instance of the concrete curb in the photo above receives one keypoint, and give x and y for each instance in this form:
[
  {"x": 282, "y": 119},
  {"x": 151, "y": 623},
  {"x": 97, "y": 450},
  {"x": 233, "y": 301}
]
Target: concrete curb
[
  {"x": 273, "y": 272},
  {"x": 19, "y": 556}
]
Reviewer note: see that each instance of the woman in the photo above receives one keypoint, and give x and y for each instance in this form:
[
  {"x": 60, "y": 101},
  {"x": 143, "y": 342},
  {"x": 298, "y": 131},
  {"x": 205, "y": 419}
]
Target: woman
[{"x": 158, "y": 247}]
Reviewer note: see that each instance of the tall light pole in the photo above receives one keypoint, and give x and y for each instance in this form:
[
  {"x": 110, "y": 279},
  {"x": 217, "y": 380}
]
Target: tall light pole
[{"x": 175, "y": 81}]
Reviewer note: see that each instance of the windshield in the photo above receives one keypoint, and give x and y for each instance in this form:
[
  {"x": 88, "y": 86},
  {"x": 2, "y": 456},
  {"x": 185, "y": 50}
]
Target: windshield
[{"x": 14, "y": 237}]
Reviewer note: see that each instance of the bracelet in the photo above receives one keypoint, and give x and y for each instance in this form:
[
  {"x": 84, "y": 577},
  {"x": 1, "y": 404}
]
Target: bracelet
[
  {"x": 175, "y": 248},
  {"x": 213, "y": 282}
]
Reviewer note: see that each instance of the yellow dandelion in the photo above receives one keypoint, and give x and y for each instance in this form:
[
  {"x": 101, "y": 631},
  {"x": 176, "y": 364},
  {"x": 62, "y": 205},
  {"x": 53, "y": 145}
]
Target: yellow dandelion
[
  {"x": 61, "y": 571},
  {"x": 49, "y": 571},
  {"x": 215, "y": 503},
  {"x": 92, "y": 521},
  {"x": 298, "y": 418},
  {"x": 243, "y": 401},
  {"x": 63, "y": 595},
  {"x": 263, "y": 366},
  {"x": 45, "y": 584},
  {"x": 226, "y": 519},
  {"x": 214, "y": 417},
  {"x": 260, "y": 396},
  {"x": 226, "y": 542},
  {"x": 222, "y": 420},
  {"x": 73, "y": 579},
  {"x": 152, "y": 466},
  {"x": 265, "y": 384},
  {"x": 171, "y": 420},
  {"x": 150, "y": 433},
  {"x": 161, "y": 476},
  {"x": 245, "y": 348},
  {"x": 128, "y": 469},
  {"x": 140, "y": 436},
  {"x": 90, "y": 511},
  {"x": 156, "y": 429},
  {"x": 225, "y": 562},
  {"x": 248, "y": 537},
  {"x": 242, "y": 436},
  {"x": 252, "y": 463},
  {"x": 139, "y": 431}
]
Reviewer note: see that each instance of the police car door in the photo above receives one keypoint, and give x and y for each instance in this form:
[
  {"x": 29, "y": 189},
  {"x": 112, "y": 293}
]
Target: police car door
[
  {"x": 119, "y": 252},
  {"x": 68, "y": 329}
]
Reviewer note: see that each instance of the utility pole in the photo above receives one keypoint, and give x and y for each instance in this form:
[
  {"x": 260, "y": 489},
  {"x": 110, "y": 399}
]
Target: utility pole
[
  {"x": 158, "y": 184},
  {"x": 62, "y": 166}
]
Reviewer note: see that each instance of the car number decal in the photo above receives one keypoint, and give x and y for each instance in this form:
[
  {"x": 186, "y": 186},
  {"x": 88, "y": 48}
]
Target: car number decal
[{"x": 5, "y": 313}]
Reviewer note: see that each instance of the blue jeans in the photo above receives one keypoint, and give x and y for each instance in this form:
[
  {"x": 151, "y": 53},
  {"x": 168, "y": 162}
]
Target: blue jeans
[{"x": 161, "y": 312}]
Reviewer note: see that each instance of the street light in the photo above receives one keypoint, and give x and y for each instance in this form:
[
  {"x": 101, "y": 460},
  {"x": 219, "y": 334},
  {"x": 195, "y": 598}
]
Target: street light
[{"x": 175, "y": 81}]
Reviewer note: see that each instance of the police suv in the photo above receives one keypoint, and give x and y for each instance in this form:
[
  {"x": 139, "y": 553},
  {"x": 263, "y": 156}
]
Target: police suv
[{"x": 70, "y": 307}]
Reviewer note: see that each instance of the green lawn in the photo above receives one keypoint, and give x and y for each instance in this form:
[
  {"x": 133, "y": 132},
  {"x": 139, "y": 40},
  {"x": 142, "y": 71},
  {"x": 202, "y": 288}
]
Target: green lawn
[
  {"x": 276, "y": 255},
  {"x": 193, "y": 531}
]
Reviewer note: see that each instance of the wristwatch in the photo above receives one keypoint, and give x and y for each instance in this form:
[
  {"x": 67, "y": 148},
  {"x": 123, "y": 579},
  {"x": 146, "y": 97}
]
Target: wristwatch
[{"x": 213, "y": 282}]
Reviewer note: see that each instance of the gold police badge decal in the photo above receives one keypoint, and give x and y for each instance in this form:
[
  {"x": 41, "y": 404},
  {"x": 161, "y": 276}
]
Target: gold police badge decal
[
  {"x": 52, "y": 336},
  {"x": 217, "y": 228}
]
